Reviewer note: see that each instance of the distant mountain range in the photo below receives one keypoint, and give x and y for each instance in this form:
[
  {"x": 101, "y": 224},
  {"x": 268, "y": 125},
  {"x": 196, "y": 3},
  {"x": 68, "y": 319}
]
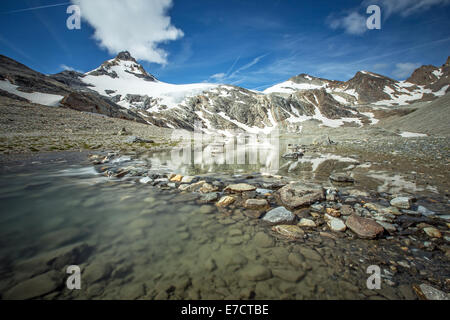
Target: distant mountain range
[{"x": 121, "y": 88}]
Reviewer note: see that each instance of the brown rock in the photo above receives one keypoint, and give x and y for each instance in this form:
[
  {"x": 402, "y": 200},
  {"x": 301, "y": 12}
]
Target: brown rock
[
  {"x": 363, "y": 227},
  {"x": 256, "y": 204},
  {"x": 298, "y": 195}
]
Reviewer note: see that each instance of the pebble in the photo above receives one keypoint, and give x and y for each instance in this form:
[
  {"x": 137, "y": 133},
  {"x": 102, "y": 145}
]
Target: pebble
[
  {"x": 336, "y": 224},
  {"x": 256, "y": 204},
  {"x": 225, "y": 201},
  {"x": 401, "y": 202},
  {"x": 432, "y": 232},
  {"x": 306, "y": 223}
]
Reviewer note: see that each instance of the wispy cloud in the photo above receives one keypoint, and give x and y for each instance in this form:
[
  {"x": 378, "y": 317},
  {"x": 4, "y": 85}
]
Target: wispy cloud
[
  {"x": 68, "y": 68},
  {"x": 37, "y": 8},
  {"x": 353, "y": 21},
  {"x": 236, "y": 76},
  {"x": 404, "y": 70}
]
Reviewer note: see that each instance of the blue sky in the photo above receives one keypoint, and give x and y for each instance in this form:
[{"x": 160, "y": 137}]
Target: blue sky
[{"x": 253, "y": 44}]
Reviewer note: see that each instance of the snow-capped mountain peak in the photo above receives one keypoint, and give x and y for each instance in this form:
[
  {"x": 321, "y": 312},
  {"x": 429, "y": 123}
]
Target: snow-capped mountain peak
[{"x": 122, "y": 66}]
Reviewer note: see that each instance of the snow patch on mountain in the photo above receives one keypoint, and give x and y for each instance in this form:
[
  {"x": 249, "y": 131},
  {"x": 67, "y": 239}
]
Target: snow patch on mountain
[{"x": 46, "y": 99}]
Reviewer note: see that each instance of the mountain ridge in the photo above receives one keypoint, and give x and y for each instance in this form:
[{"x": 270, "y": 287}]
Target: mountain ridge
[{"x": 121, "y": 87}]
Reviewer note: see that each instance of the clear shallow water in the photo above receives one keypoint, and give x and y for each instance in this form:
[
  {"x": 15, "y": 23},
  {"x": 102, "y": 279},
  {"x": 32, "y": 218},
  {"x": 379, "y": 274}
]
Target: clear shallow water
[{"x": 136, "y": 241}]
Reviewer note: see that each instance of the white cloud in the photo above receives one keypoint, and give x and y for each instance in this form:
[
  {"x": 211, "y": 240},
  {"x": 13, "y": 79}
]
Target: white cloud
[
  {"x": 404, "y": 70},
  {"x": 352, "y": 23},
  {"x": 138, "y": 26},
  {"x": 68, "y": 68}
]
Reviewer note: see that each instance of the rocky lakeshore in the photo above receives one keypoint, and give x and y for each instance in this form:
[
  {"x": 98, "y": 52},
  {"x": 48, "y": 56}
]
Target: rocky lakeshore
[{"x": 307, "y": 221}]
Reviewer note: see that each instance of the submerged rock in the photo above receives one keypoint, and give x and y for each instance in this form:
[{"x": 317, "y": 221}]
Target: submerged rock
[
  {"x": 289, "y": 231},
  {"x": 298, "y": 195},
  {"x": 256, "y": 273},
  {"x": 341, "y": 177},
  {"x": 35, "y": 287},
  {"x": 279, "y": 215},
  {"x": 263, "y": 240},
  {"x": 363, "y": 227},
  {"x": 256, "y": 204}
]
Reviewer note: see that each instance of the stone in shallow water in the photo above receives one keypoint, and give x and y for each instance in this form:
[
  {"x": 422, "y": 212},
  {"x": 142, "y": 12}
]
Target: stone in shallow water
[
  {"x": 432, "y": 232},
  {"x": 363, "y": 227},
  {"x": 207, "y": 188},
  {"x": 145, "y": 180},
  {"x": 225, "y": 201},
  {"x": 427, "y": 292},
  {"x": 256, "y": 273},
  {"x": 401, "y": 202},
  {"x": 263, "y": 240},
  {"x": 209, "y": 197},
  {"x": 347, "y": 210},
  {"x": 336, "y": 224},
  {"x": 341, "y": 177},
  {"x": 288, "y": 275},
  {"x": 298, "y": 195},
  {"x": 187, "y": 179},
  {"x": 296, "y": 259},
  {"x": 289, "y": 231},
  {"x": 34, "y": 287},
  {"x": 176, "y": 178},
  {"x": 306, "y": 223},
  {"x": 256, "y": 204},
  {"x": 279, "y": 215},
  {"x": 240, "y": 187}
]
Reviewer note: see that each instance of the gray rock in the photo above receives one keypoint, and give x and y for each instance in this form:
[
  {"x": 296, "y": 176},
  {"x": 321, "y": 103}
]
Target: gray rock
[
  {"x": 431, "y": 293},
  {"x": 209, "y": 197},
  {"x": 134, "y": 139},
  {"x": 401, "y": 202},
  {"x": 341, "y": 177},
  {"x": 279, "y": 215}
]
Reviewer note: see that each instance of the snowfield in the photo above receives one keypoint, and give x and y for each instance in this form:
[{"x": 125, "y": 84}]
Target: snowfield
[
  {"x": 46, "y": 99},
  {"x": 126, "y": 83}
]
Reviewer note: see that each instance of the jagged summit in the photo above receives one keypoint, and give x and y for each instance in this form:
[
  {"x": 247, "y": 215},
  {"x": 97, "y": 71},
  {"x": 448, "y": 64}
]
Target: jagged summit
[
  {"x": 125, "y": 56},
  {"x": 121, "y": 66}
]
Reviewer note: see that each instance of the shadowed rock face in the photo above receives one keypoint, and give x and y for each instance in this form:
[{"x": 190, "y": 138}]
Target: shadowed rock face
[{"x": 93, "y": 102}]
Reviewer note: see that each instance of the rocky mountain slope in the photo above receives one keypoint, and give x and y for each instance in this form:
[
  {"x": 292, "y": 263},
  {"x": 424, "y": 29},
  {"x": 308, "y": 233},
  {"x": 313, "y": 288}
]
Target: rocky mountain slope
[
  {"x": 425, "y": 84},
  {"x": 430, "y": 118},
  {"x": 121, "y": 88}
]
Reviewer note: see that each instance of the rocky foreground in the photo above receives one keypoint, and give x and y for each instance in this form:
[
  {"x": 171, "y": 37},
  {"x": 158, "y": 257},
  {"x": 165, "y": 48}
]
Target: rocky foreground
[{"x": 408, "y": 241}]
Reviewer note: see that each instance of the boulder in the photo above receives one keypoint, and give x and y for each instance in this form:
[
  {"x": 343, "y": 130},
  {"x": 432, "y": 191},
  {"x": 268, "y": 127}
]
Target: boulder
[{"x": 255, "y": 204}]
